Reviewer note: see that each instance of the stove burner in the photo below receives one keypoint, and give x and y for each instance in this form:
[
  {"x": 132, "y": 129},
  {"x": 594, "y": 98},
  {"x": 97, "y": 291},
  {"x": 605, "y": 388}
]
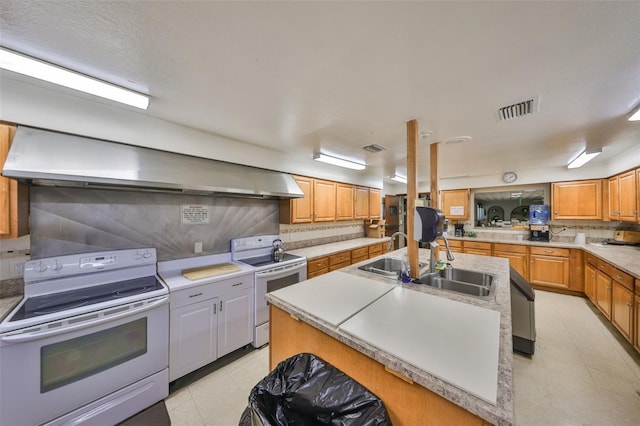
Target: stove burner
[
  {"x": 67, "y": 300},
  {"x": 267, "y": 260}
]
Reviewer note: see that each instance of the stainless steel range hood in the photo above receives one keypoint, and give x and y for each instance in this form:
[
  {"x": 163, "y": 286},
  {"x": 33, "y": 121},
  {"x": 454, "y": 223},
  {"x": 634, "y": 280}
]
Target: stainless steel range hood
[{"x": 43, "y": 157}]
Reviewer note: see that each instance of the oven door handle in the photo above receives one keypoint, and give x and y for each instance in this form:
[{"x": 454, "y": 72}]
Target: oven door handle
[
  {"x": 278, "y": 271},
  {"x": 92, "y": 322}
]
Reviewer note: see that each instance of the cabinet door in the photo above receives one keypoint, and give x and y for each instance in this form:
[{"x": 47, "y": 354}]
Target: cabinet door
[
  {"x": 361, "y": 210},
  {"x": 576, "y": 200},
  {"x": 235, "y": 321},
  {"x": 344, "y": 202},
  {"x": 613, "y": 199},
  {"x": 14, "y": 196},
  {"x": 627, "y": 193},
  {"x": 590, "y": 278},
  {"x": 517, "y": 261},
  {"x": 549, "y": 270},
  {"x": 603, "y": 293},
  {"x": 636, "y": 324},
  {"x": 375, "y": 210},
  {"x": 299, "y": 210},
  {"x": 455, "y": 203},
  {"x": 324, "y": 201},
  {"x": 622, "y": 310},
  {"x": 638, "y": 195},
  {"x": 193, "y": 335}
]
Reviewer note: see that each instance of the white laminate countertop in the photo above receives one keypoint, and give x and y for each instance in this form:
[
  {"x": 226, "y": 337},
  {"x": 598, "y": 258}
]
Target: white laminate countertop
[
  {"x": 332, "y": 248},
  {"x": 454, "y": 341},
  {"x": 334, "y": 298},
  {"x": 394, "y": 330}
]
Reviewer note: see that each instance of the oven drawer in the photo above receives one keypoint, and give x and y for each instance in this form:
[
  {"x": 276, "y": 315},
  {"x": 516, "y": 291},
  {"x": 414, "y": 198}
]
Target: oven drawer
[{"x": 202, "y": 292}]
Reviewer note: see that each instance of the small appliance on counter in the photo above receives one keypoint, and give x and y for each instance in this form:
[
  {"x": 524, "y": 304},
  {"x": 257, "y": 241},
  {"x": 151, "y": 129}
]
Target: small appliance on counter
[
  {"x": 538, "y": 218},
  {"x": 539, "y": 233},
  {"x": 459, "y": 230},
  {"x": 624, "y": 237}
]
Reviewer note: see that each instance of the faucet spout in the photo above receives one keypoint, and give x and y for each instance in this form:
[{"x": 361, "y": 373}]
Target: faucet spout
[
  {"x": 446, "y": 244},
  {"x": 396, "y": 234}
]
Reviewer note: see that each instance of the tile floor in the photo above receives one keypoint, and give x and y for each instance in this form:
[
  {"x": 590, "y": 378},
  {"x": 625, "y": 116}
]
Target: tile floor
[{"x": 582, "y": 373}]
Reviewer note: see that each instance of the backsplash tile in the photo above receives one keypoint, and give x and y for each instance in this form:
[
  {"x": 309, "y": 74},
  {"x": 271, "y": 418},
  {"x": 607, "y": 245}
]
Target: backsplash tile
[{"x": 311, "y": 234}]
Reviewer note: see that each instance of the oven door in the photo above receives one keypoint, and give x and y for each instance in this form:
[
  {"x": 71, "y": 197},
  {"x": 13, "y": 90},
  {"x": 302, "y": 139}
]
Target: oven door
[
  {"x": 64, "y": 365},
  {"x": 271, "y": 280}
]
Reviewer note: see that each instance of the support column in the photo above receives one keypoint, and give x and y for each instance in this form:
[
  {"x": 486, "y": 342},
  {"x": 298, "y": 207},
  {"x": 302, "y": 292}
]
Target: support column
[{"x": 412, "y": 194}]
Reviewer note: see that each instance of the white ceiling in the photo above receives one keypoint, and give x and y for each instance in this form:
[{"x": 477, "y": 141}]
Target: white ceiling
[{"x": 304, "y": 77}]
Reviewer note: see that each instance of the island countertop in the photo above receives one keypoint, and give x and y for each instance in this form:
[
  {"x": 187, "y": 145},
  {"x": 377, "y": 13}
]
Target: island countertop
[{"x": 351, "y": 323}]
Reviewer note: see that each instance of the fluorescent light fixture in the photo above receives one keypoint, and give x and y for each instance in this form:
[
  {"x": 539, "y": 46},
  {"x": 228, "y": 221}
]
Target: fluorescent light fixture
[
  {"x": 25, "y": 65},
  {"x": 635, "y": 116},
  {"x": 584, "y": 157},
  {"x": 399, "y": 178},
  {"x": 338, "y": 161}
]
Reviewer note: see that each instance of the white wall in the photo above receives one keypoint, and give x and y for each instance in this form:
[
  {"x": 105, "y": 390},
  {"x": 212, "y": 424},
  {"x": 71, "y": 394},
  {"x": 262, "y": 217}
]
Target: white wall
[{"x": 44, "y": 107}]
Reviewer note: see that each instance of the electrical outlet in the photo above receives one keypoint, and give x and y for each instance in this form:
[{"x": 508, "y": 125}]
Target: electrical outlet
[
  {"x": 197, "y": 247},
  {"x": 16, "y": 268}
]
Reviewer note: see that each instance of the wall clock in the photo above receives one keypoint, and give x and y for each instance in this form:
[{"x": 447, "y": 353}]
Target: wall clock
[{"x": 509, "y": 177}]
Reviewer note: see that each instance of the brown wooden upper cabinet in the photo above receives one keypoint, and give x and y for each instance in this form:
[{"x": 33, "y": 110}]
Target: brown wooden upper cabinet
[
  {"x": 344, "y": 201},
  {"x": 623, "y": 197},
  {"x": 328, "y": 201},
  {"x": 375, "y": 210},
  {"x": 14, "y": 196},
  {"x": 455, "y": 203},
  {"x": 299, "y": 210},
  {"x": 576, "y": 200},
  {"x": 324, "y": 201}
]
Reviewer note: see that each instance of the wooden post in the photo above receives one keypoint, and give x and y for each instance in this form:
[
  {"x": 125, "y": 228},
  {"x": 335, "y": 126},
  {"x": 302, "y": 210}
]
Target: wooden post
[
  {"x": 412, "y": 194},
  {"x": 433, "y": 176}
]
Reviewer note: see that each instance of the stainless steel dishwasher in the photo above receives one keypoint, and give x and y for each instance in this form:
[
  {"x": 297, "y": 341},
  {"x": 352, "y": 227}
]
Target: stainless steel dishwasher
[{"x": 523, "y": 319}]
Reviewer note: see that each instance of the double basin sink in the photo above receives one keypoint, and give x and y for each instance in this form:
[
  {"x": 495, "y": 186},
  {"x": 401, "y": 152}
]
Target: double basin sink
[{"x": 463, "y": 281}]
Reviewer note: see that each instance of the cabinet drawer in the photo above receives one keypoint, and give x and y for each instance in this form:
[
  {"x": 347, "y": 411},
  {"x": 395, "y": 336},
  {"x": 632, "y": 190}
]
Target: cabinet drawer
[
  {"x": 375, "y": 250},
  {"x": 317, "y": 264},
  {"x": 202, "y": 292},
  {"x": 510, "y": 248},
  {"x": 550, "y": 251},
  {"x": 359, "y": 259},
  {"x": 335, "y": 266},
  {"x": 638, "y": 293},
  {"x": 606, "y": 268},
  {"x": 591, "y": 259},
  {"x": 317, "y": 272},
  {"x": 339, "y": 258},
  {"x": 363, "y": 251},
  {"x": 452, "y": 243},
  {"x": 477, "y": 245},
  {"x": 624, "y": 279}
]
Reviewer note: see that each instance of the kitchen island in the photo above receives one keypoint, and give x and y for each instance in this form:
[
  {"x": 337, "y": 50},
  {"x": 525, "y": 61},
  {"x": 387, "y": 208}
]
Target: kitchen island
[{"x": 432, "y": 356}]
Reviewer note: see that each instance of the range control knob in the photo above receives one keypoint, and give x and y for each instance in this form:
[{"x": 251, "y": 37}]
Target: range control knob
[
  {"x": 146, "y": 254},
  {"x": 56, "y": 266},
  {"x": 41, "y": 267}
]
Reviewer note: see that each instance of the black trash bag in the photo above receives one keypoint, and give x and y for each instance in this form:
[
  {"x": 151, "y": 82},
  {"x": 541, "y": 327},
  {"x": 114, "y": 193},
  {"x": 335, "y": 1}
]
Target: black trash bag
[{"x": 305, "y": 390}]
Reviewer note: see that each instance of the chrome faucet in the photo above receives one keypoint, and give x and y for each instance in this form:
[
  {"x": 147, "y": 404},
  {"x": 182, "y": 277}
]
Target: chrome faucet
[
  {"x": 434, "y": 246},
  {"x": 395, "y": 234}
]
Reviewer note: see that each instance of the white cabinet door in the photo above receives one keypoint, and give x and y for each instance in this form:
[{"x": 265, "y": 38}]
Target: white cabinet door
[
  {"x": 235, "y": 324},
  {"x": 193, "y": 336}
]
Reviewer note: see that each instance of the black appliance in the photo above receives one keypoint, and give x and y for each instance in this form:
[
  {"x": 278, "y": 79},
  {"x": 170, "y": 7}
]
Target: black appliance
[
  {"x": 539, "y": 233},
  {"x": 459, "y": 230}
]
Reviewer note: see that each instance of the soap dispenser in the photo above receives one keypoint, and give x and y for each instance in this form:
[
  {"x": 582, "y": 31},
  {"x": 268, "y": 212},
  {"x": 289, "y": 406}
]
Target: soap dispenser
[{"x": 405, "y": 275}]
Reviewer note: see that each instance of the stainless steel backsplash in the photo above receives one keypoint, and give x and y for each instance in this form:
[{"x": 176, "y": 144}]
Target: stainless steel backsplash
[{"x": 66, "y": 221}]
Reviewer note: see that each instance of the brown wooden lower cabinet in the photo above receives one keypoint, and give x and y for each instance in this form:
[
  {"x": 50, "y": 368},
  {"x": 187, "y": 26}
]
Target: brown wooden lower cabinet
[
  {"x": 317, "y": 267},
  {"x": 590, "y": 278},
  {"x": 375, "y": 250},
  {"x": 622, "y": 300},
  {"x": 407, "y": 402},
  {"x": 549, "y": 267},
  {"x": 517, "y": 255},
  {"x": 477, "y": 247},
  {"x": 603, "y": 293},
  {"x": 339, "y": 260},
  {"x": 636, "y": 323}
]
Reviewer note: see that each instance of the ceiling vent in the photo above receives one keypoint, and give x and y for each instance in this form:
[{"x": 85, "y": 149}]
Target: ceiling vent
[
  {"x": 519, "y": 109},
  {"x": 375, "y": 148}
]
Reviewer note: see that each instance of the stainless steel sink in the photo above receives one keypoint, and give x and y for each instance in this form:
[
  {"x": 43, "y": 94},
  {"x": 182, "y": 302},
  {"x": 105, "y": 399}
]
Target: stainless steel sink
[
  {"x": 463, "y": 281},
  {"x": 386, "y": 267}
]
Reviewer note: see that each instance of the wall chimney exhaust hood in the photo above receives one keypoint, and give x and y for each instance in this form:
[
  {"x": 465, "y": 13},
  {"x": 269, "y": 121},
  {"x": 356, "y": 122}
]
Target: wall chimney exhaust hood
[{"x": 43, "y": 157}]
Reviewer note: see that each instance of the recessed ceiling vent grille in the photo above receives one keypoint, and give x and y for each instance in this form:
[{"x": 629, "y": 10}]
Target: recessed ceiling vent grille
[
  {"x": 520, "y": 109},
  {"x": 375, "y": 148}
]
